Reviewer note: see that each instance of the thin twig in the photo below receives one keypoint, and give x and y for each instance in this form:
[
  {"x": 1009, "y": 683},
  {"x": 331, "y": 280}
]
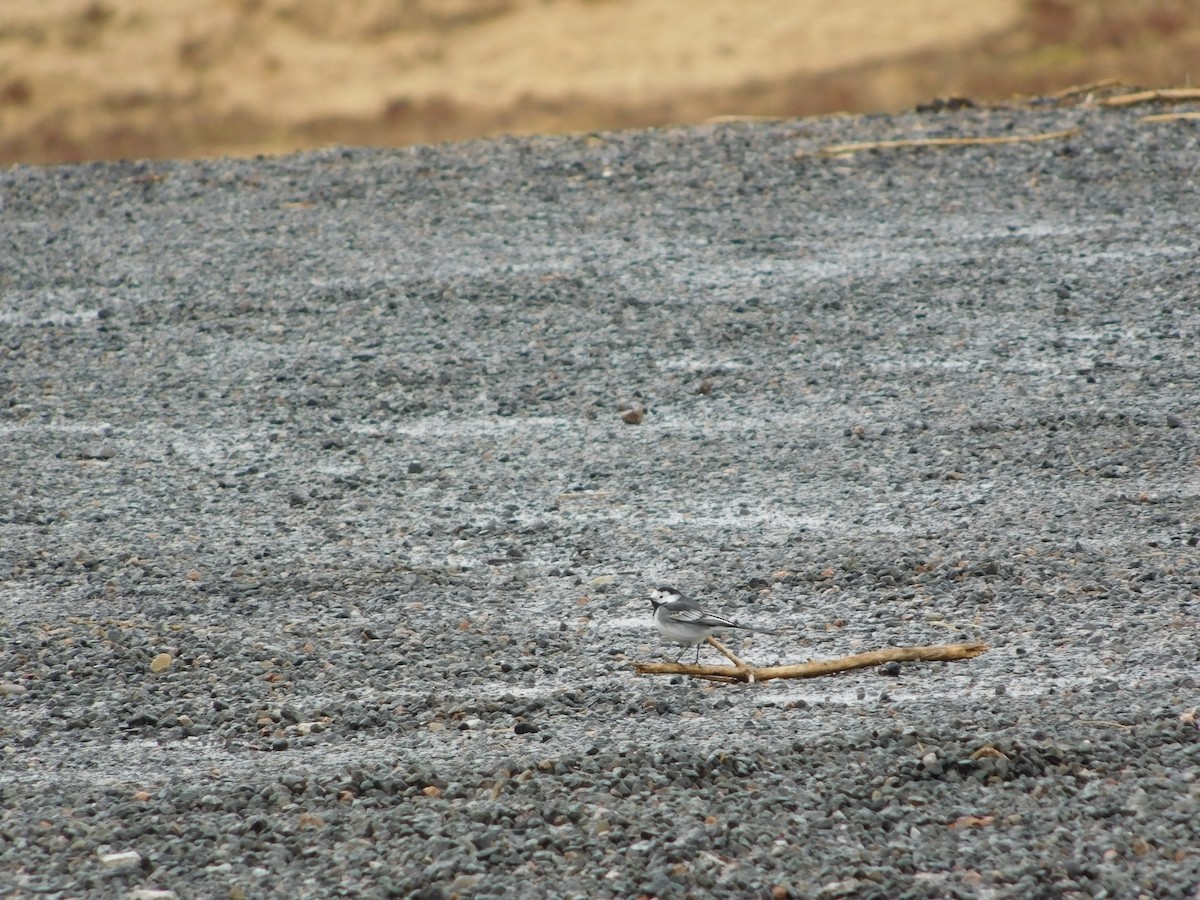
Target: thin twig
[
  {"x": 1171, "y": 117},
  {"x": 721, "y": 120},
  {"x": 846, "y": 149},
  {"x": 728, "y": 653},
  {"x": 1075, "y": 462},
  {"x": 1085, "y": 88},
  {"x": 1170, "y": 95}
]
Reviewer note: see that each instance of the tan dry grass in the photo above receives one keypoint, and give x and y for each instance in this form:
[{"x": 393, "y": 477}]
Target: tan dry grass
[{"x": 106, "y": 78}]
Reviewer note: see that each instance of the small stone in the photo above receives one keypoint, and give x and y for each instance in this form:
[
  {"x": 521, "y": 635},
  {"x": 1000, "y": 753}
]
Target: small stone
[
  {"x": 9, "y": 689},
  {"x": 415, "y": 468},
  {"x": 525, "y": 728},
  {"x": 151, "y": 894},
  {"x": 891, "y": 669},
  {"x": 633, "y": 416},
  {"x": 1173, "y": 421},
  {"x": 845, "y": 888},
  {"x": 121, "y": 858},
  {"x": 464, "y": 883},
  {"x": 160, "y": 663}
]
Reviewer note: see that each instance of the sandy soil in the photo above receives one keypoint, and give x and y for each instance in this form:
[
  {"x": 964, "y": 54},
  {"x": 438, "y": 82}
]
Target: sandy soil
[{"x": 86, "y": 79}]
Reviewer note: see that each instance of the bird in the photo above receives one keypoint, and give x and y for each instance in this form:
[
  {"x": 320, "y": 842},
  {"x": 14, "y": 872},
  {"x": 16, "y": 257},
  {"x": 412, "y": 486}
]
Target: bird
[{"x": 681, "y": 620}]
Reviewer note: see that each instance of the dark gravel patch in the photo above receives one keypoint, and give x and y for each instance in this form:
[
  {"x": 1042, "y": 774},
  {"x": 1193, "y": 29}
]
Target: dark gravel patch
[{"x": 324, "y": 544}]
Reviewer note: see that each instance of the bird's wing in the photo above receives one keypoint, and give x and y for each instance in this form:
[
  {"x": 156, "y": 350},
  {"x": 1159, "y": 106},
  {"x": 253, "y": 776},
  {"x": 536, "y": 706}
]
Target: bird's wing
[
  {"x": 681, "y": 611},
  {"x": 709, "y": 620}
]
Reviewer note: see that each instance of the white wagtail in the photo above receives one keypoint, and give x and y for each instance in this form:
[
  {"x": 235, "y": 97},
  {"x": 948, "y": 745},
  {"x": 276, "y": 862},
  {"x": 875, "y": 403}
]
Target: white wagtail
[{"x": 680, "y": 619}]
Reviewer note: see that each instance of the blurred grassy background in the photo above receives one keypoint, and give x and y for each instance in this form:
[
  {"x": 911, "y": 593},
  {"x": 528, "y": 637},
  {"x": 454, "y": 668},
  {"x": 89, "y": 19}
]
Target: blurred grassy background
[{"x": 103, "y": 79}]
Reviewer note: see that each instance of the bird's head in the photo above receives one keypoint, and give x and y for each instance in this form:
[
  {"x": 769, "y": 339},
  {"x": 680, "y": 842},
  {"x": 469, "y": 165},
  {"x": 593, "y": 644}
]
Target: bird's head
[{"x": 663, "y": 594}]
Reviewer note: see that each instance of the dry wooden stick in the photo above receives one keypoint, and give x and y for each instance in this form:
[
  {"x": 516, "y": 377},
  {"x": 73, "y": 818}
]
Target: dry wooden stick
[
  {"x": 846, "y": 149},
  {"x": 749, "y": 674},
  {"x": 1085, "y": 88},
  {"x": 1075, "y": 462},
  {"x": 1171, "y": 117},
  {"x": 745, "y": 672},
  {"x": 1173, "y": 95},
  {"x": 728, "y": 653},
  {"x": 735, "y": 117}
]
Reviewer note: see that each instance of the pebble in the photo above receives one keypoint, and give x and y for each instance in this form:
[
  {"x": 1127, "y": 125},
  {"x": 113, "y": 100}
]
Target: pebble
[{"x": 120, "y": 858}]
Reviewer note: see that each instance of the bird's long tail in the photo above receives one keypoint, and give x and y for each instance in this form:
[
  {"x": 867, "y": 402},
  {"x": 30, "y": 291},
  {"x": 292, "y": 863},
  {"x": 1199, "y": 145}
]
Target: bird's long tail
[{"x": 756, "y": 629}]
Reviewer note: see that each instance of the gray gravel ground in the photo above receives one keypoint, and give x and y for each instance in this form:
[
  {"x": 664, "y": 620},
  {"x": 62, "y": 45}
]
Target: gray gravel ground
[{"x": 340, "y": 434}]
